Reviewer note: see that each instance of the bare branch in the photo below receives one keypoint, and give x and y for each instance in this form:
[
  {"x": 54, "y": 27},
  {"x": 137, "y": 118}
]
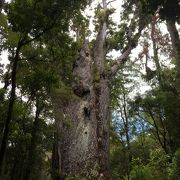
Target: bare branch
[
  {"x": 104, "y": 4},
  {"x": 110, "y": 2}
]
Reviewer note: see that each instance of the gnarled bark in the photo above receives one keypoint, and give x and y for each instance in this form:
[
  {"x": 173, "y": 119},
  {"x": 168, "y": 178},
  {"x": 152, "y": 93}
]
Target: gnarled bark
[{"x": 83, "y": 127}]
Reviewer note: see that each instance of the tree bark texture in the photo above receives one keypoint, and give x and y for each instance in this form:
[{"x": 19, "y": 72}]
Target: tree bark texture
[{"x": 82, "y": 122}]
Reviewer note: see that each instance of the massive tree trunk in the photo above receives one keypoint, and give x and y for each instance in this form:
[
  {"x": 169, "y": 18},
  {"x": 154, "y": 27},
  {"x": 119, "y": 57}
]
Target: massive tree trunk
[
  {"x": 83, "y": 129},
  {"x": 83, "y": 122}
]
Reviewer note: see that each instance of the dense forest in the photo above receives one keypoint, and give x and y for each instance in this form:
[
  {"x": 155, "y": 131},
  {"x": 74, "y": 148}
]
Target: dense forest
[{"x": 87, "y": 92}]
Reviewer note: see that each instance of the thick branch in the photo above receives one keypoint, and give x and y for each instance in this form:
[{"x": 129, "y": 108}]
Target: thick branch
[
  {"x": 132, "y": 40},
  {"x": 98, "y": 50},
  {"x": 121, "y": 60},
  {"x": 111, "y": 2},
  {"x": 171, "y": 26}
]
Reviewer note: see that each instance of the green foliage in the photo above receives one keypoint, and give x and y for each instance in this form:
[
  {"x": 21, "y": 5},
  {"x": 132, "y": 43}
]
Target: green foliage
[
  {"x": 156, "y": 169},
  {"x": 142, "y": 172},
  {"x": 175, "y": 167},
  {"x": 165, "y": 8},
  {"x": 64, "y": 92},
  {"x": 30, "y": 16},
  {"x": 118, "y": 40},
  {"x": 77, "y": 177}
]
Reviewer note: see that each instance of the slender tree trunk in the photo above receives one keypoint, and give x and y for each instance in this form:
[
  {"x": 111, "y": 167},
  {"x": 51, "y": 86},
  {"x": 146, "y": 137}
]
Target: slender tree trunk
[
  {"x": 33, "y": 144},
  {"x": 59, "y": 121},
  {"x": 10, "y": 108},
  {"x": 155, "y": 51},
  {"x": 161, "y": 83},
  {"x": 171, "y": 26},
  {"x": 126, "y": 126},
  {"x": 124, "y": 117}
]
